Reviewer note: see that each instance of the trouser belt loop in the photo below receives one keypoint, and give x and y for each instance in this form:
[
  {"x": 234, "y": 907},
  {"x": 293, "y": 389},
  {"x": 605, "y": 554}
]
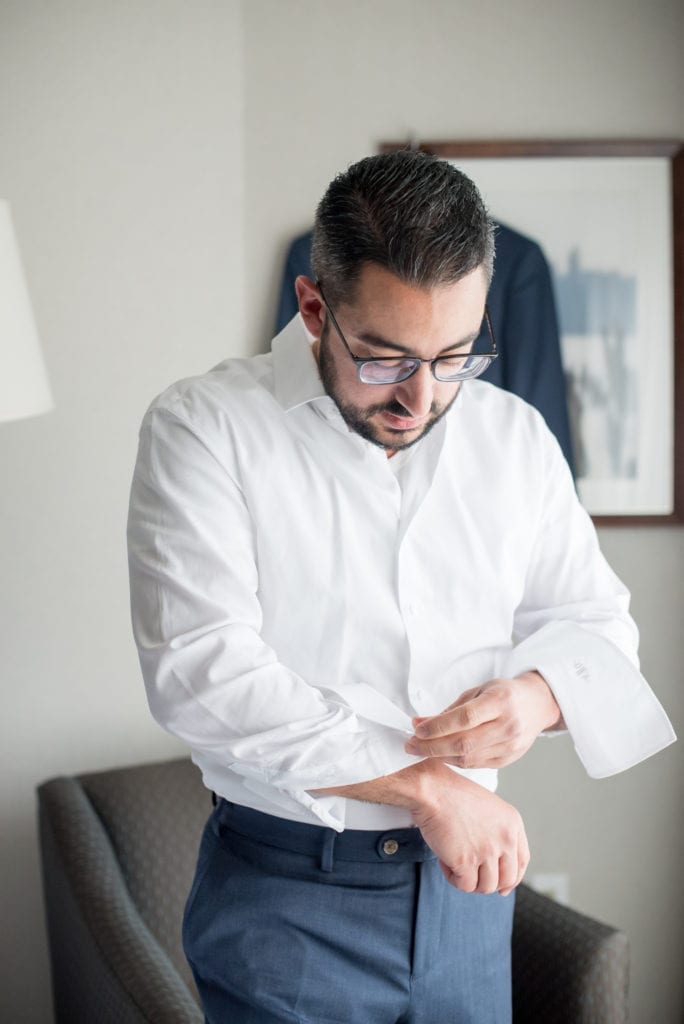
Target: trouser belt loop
[{"x": 327, "y": 848}]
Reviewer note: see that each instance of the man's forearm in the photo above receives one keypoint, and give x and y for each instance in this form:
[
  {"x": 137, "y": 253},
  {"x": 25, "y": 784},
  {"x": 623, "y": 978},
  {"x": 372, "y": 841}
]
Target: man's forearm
[{"x": 411, "y": 788}]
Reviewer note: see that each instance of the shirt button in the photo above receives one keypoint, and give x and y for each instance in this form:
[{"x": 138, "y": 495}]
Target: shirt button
[{"x": 390, "y": 846}]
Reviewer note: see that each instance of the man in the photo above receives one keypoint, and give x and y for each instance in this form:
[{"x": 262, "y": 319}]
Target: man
[{"x": 361, "y": 583}]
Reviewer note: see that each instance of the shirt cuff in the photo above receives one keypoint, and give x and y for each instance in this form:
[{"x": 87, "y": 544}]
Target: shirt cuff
[
  {"x": 610, "y": 711},
  {"x": 382, "y": 755}
]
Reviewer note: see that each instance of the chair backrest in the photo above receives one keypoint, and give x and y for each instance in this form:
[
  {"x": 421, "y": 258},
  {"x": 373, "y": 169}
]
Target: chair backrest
[{"x": 153, "y": 815}]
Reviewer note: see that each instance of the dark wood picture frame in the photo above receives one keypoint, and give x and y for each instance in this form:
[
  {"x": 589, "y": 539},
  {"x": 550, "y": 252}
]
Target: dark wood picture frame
[{"x": 673, "y": 151}]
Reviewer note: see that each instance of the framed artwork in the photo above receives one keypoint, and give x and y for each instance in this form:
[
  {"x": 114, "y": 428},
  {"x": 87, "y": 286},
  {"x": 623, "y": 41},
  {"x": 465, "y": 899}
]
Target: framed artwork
[{"x": 609, "y": 217}]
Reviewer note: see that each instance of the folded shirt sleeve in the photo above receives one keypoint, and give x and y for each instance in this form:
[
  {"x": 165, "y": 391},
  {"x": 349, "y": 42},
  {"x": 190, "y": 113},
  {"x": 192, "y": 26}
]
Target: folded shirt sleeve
[
  {"x": 210, "y": 678},
  {"x": 573, "y": 626}
]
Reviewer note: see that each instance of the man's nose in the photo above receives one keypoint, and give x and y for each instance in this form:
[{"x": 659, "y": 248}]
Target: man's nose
[{"x": 416, "y": 393}]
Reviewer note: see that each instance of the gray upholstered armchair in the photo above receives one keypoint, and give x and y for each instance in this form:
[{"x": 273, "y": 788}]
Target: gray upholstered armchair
[{"x": 118, "y": 850}]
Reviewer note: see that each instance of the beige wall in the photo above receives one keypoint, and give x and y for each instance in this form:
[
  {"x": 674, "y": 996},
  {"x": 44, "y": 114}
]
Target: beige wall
[
  {"x": 121, "y": 152},
  {"x": 158, "y": 156}
]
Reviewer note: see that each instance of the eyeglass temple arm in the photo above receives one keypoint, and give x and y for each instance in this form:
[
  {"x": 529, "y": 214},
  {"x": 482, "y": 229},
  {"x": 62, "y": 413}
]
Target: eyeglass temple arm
[{"x": 488, "y": 320}]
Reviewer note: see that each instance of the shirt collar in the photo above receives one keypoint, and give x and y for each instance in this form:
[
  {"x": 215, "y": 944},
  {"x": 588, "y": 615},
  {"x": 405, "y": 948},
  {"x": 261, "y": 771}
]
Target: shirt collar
[
  {"x": 296, "y": 382},
  {"x": 295, "y": 372}
]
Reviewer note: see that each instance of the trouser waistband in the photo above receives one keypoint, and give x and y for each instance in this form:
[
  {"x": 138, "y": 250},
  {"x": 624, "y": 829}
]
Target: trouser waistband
[{"x": 393, "y": 846}]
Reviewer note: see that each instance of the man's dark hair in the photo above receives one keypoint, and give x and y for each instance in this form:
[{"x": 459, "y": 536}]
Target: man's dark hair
[{"x": 413, "y": 214}]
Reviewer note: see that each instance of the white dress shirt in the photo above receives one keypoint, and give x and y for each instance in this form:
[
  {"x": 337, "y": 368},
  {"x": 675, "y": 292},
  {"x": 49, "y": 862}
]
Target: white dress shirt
[{"x": 297, "y": 596}]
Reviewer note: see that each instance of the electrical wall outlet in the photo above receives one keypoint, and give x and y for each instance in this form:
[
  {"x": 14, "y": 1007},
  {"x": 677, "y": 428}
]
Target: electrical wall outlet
[{"x": 557, "y": 886}]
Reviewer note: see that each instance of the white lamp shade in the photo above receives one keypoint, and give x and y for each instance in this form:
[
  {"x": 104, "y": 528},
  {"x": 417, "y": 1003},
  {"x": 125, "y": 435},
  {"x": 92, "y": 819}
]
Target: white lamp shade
[{"x": 24, "y": 385}]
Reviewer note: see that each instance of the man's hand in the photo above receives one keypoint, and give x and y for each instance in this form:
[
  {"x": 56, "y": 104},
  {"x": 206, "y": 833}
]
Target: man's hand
[
  {"x": 489, "y": 726},
  {"x": 479, "y": 838}
]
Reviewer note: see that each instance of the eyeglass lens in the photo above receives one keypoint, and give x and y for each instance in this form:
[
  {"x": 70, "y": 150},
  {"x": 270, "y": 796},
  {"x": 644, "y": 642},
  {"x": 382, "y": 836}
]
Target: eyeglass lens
[{"x": 450, "y": 368}]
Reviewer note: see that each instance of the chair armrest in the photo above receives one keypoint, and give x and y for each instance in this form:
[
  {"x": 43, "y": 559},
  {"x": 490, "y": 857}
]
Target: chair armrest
[
  {"x": 567, "y": 967},
  {"x": 106, "y": 964}
]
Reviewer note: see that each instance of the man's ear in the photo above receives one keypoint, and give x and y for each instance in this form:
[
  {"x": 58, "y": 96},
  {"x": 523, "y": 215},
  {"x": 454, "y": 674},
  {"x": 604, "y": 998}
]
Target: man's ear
[{"x": 311, "y": 305}]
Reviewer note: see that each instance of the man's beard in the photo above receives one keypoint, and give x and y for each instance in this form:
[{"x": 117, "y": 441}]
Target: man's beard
[{"x": 359, "y": 419}]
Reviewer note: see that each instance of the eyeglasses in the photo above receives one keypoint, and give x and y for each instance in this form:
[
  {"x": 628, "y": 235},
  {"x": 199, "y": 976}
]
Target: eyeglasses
[{"x": 394, "y": 369}]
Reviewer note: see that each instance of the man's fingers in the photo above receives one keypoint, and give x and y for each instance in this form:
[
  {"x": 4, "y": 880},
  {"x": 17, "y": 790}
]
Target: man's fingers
[
  {"x": 480, "y": 709},
  {"x": 509, "y": 873},
  {"x": 498, "y": 755},
  {"x": 465, "y": 879},
  {"x": 523, "y": 857},
  {"x": 464, "y": 749},
  {"x": 518, "y": 865},
  {"x": 465, "y": 697},
  {"x": 488, "y": 877},
  {"x": 492, "y": 875}
]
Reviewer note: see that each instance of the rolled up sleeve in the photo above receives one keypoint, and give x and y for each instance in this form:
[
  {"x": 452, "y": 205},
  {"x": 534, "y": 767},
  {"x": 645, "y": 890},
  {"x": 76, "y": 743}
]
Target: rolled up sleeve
[{"x": 210, "y": 678}]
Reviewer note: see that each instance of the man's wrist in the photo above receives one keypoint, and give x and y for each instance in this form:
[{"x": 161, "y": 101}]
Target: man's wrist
[
  {"x": 550, "y": 712},
  {"x": 425, "y": 786},
  {"x": 419, "y": 784}
]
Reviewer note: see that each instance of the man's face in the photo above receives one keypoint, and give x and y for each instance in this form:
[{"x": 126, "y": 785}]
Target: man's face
[{"x": 390, "y": 318}]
